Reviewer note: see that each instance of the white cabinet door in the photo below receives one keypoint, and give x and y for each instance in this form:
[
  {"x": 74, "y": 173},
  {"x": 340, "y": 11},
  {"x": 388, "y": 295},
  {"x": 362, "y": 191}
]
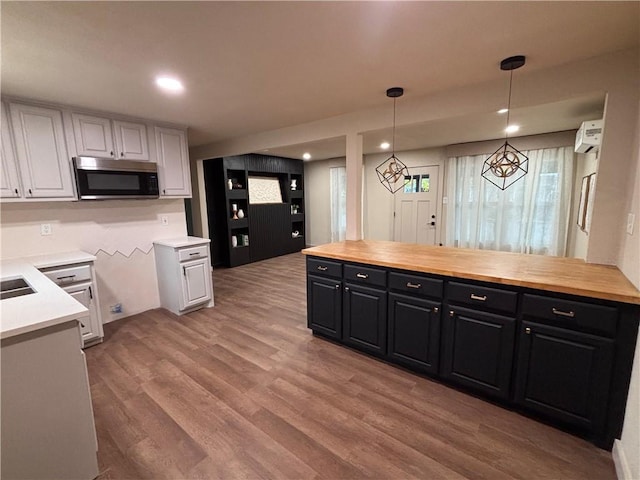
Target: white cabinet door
[
  {"x": 93, "y": 135},
  {"x": 10, "y": 186},
  {"x": 131, "y": 140},
  {"x": 196, "y": 283},
  {"x": 41, "y": 149},
  {"x": 173, "y": 162},
  {"x": 83, "y": 294}
]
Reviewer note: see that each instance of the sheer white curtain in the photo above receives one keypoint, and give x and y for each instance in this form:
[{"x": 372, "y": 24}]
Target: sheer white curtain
[
  {"x": 530, "y": 216},
  {"x": 338, "y": 182}
]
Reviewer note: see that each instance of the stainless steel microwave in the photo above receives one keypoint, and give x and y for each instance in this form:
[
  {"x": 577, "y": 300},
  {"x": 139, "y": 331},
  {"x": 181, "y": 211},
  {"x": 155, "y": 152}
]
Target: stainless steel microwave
[{"x": 106, "y": 178}]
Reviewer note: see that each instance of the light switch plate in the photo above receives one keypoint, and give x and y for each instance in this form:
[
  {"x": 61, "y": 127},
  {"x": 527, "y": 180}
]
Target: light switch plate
[
  {"x": 45, "y": 229},
  {"x": 164, "y": 219},
  {"x": 630, "y": 221}
]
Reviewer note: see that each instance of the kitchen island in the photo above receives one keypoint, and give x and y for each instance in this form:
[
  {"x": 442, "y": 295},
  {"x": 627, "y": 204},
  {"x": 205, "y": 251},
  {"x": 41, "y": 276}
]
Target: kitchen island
[
  {"x": 47, "y": 419},
  {"x": 551, "y": 337}
]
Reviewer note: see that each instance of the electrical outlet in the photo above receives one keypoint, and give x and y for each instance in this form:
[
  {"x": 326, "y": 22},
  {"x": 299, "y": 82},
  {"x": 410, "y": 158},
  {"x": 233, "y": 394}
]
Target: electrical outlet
[
  {"x": 117, "y": 308},
  {"x": 164, "y": 219},
  {"x": 45, "y": 229},
  {"x": 631, "y": 218}
]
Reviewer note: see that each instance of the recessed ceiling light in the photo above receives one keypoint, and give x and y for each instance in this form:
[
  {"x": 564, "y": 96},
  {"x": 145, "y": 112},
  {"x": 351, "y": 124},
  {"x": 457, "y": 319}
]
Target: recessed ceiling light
[
  {"x": 306, "y": 156},
  {"x": 385, "y": 145},
  {"x": 169, "y": 84},
  {"x": 512, "y": 128},
  {"x": 503, "y": 110}
]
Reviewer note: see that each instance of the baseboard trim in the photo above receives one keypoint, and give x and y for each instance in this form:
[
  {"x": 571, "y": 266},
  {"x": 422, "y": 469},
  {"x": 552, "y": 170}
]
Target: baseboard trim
[{"x": 623, "y": 472}]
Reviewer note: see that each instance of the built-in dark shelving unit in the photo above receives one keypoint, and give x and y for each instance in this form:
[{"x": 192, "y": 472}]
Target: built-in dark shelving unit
[{"x": 267, "y": 230}]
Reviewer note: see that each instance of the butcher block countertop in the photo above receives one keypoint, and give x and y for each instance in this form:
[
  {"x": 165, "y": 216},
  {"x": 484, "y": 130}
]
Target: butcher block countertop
[{"x": 555, "y": 274}]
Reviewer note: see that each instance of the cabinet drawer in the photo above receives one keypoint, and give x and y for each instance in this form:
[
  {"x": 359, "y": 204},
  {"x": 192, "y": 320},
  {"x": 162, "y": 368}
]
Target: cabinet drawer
[
  {"x": 485, "y": 297},
  {"x": 597, "y": 318},
  {"x": 323, "y": 267},
  {"x": 65, "y": 276},
  {"x": 192, "y": 253},
  {"x": 416, "y": 284},
  {"x": 365, "y": 275}
]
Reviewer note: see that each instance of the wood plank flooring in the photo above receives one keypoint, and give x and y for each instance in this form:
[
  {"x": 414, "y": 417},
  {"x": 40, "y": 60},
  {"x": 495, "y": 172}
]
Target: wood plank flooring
[{"x": 244, "y": 390}]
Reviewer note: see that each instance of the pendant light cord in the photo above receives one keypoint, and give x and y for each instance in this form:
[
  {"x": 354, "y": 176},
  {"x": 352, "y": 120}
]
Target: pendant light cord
[
  {"x": 393, "y": 134},
  {"x": 506, "y": 130}
]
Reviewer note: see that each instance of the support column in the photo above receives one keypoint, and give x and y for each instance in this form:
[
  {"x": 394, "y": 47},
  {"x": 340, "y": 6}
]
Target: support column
[{"x": 354, "y": 186}]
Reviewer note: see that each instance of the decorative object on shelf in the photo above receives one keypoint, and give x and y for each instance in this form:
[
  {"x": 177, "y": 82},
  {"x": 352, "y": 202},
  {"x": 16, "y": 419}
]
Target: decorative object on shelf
[
  {"x": 230, "y": 184},
  {"x": 294, "y": 184},
  {"x": 294, "y": 209},
  {"x": 240, "y": 213},
  {"x": 392, "y": 172},
  {"x": 506, "y": 165},
  {"x": 295, "y": 234},
  {"x": 238, "y": 185},
  {"x": 234, "y": 241},
  {"x": 234, "y": 209},
  {"x": 245, "y": 240}
]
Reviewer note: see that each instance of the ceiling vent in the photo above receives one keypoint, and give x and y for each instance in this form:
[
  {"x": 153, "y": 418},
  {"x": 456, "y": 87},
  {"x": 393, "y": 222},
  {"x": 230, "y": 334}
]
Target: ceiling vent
[{"x": 589, "y": 136}]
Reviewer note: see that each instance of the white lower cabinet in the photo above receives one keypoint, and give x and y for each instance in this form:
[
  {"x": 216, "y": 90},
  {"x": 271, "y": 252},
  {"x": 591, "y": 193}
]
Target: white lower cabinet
[
  {"x": 184, "y": 274},
  {"x": 48, "y": 431},
  {"x": 79, "y": 281}
]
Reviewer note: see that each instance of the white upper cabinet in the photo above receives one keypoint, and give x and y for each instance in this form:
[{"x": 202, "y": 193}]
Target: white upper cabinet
[
  {"x": 41, "y": 150},
  {"x": 97, "y": 137},
  {"x": 10, "y": 187},
  {"x": 173, "y": 162},
  {"x": 131, "y": 140}
]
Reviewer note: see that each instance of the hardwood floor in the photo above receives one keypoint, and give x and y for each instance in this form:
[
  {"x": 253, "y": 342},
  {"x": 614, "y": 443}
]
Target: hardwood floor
[{"x": 244, "y": 390}]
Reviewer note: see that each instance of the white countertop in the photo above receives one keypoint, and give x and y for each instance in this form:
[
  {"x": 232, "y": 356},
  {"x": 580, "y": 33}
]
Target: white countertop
[
  {"x": 49, "y": 306},
  {"x": 57, "y": 259},
  {"x": 182, "y": 242}
]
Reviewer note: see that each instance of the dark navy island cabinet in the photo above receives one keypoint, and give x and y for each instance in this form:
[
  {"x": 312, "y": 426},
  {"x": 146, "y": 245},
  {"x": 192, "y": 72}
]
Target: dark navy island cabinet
[{"x": 560, "y": 358}]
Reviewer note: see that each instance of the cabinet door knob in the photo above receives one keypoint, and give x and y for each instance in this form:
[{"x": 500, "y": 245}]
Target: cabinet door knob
[
  {"x": 452, "y": 313},
  {"x": 16, "y": 190},
  {"x": 30, "y": 192},
  {"x": 337, "y": 286},
  {"x": 82, "y": 324},
  {"x": 112, "y": 153},
  {"x": 436, "y": 309},
  {"x": 527, "y": 331},
  {"x": 122, "y": 154},
  {"x": 346, "y": 289}
]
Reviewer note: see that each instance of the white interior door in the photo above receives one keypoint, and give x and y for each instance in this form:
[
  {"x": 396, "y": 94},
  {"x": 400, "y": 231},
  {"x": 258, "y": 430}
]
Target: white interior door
[{"x": 416, "y": 207}]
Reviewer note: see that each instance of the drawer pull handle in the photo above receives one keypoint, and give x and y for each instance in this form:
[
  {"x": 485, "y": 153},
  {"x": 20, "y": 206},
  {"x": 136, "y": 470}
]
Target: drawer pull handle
[
  {"x": 64, "y": 277},
  {"x": 452, "y": 313},
  {"x": 195, "y": 253},
  {"x": 413, "y": 285},
  {"x": 482, "y": 298},
  {"x": 527, "y": 331},
  {"x": 322, "y": 268},
  {"x": 362, "y": 275},
  {"x": 563, "y": 314}
]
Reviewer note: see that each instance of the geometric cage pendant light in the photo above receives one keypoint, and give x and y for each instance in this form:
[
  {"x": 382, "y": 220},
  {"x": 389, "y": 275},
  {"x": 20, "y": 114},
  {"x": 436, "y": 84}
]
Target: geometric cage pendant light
[
  {"x": 506, "y": 165},
  {"x": 392, "y": 172}
]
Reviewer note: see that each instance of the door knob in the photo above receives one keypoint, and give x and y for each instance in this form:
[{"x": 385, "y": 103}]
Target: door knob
[{"x": 433, "y": 223}]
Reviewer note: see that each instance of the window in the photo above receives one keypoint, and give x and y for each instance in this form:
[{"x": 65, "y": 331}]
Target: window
[
  {"x": 416, "y": 183},
  {"x": 338, "y": 184},
  {"x": 531, "y": 216}
]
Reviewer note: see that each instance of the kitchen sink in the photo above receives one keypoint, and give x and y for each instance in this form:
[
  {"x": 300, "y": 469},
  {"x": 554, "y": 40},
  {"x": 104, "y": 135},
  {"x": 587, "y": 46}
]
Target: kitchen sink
[{"x": 14, "y": 287}]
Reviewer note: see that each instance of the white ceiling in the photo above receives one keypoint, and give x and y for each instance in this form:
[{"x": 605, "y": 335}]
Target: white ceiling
[{"x": 256, "y": 66}]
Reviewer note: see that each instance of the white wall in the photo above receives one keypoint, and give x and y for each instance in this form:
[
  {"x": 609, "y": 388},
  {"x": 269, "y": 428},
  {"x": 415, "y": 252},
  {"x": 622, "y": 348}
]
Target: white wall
[
  {"x": 119, "y": 232},
  {"x": 578, "y": 241},
  {"x": 317, "y": 200},
  {"x": 629, "y": 263}
]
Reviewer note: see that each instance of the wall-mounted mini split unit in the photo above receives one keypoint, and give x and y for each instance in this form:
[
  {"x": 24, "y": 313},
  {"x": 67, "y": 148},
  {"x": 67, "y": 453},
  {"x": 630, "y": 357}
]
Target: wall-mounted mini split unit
[{"x": 589, "y": 136}]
